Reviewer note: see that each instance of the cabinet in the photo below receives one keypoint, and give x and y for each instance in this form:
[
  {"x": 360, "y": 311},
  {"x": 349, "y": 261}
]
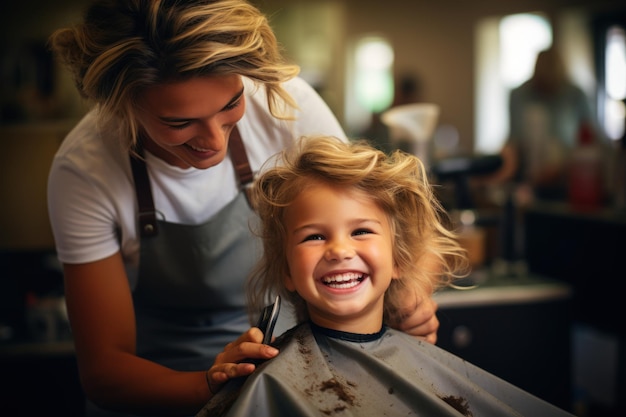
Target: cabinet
[
  {"x": 516, "y": 328},
  {"x": 585, "y": 249}
]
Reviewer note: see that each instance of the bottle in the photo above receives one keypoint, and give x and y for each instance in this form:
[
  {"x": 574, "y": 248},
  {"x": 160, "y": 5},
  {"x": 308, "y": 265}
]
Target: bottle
[{"x": 585, "y": 175}]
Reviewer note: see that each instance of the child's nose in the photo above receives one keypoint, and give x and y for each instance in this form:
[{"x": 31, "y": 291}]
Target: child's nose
[{"x": 339, "y": 250}]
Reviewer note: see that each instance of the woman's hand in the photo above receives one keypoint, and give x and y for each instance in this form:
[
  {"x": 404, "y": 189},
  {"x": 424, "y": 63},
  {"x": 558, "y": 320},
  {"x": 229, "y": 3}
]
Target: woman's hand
[
  {"x": 422, "y": 321},
  {"x": 228, "y": 364},
  {"x": 416, "y": 313}
]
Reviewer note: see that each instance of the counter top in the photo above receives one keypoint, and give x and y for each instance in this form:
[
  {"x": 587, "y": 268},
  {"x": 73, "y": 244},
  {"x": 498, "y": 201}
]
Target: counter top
[{"x": 502, "y": 291}]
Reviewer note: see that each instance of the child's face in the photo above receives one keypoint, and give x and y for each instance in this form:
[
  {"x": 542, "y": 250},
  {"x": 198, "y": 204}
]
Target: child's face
[{"x": 339, "y": 253}]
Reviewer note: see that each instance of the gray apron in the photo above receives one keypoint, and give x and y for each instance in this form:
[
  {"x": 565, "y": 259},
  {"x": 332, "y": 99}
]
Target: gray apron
[{"x": 190, "y": 297}]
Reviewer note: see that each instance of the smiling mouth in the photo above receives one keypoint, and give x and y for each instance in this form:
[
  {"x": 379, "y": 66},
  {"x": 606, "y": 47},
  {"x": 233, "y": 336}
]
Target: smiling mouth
[
  {"x": 343, "y": 281},
  {"x": 195, "y": 148}
]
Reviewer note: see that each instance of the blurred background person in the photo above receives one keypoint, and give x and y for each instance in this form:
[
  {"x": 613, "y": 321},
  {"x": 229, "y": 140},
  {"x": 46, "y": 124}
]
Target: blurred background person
[{"x": 548, "y": 114}]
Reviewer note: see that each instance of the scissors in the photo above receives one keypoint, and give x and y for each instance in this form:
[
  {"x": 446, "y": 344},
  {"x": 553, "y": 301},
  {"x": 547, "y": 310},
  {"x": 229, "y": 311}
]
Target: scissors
[{"x": 267, "y": 321}]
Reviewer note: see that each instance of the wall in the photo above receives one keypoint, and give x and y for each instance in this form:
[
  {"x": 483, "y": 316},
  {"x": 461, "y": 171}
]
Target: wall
[
  {"x": 25, "y": 26},
  {"x": 25, "y": 162},
  {"x": 434, "y": 40}
]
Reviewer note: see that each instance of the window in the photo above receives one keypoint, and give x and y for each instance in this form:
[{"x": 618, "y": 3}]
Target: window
[
  {"x": 370, "y": 89},
  {"x": 615, "y": 82},
  {"x": 506, "y": 51},
  {"x": 522, "y": 36}
]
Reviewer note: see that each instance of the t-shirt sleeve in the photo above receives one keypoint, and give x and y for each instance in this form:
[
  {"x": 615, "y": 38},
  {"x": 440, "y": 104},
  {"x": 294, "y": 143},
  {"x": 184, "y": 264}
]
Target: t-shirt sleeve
[{"x": 81, "y": 220}]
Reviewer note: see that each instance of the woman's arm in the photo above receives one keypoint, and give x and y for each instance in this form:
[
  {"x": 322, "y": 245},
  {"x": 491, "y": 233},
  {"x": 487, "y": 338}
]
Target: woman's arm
[{"x": 101, "y": 313}]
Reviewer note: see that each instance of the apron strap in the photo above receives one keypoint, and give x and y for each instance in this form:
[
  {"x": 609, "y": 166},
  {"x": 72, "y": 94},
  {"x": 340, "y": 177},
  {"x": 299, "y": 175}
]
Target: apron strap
[
  {"x": 241, "y": 163},
  {"x": 240, "y": 158},
  {"x": 147, "y": 214}
]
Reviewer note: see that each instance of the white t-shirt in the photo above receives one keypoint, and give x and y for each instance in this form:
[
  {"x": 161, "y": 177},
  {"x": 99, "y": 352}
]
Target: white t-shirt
[{"x": 91, "y": 196}]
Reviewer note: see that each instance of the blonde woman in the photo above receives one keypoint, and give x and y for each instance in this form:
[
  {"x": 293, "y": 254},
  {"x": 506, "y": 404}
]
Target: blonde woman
[{"x": 146, "y": 195}]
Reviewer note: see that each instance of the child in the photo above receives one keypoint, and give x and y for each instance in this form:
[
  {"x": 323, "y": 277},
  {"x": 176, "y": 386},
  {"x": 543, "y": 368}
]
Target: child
[{"x": 348, "y": 234}]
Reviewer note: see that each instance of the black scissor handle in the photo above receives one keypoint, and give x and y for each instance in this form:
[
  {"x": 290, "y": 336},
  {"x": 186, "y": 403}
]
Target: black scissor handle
[{"x": 267, "y": 321}]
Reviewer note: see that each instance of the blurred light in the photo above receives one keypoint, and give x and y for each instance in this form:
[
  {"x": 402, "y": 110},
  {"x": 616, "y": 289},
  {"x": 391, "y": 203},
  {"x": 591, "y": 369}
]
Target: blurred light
[
  {"x": 374, "y": 80},
  {"x": 614, "y": 119},
  {"x": 522, "y": 36},
  {"x": 374, "y": 54},
  {"x": 616, "y": 64},
  {"x": 375, "y": 90},
  {"x": 467, "y": 217},
  {"x": 615, "y": 76}
]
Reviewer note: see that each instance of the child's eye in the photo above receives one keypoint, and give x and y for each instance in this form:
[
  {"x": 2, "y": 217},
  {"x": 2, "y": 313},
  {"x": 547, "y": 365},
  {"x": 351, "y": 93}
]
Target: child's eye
[
  {"x": 313, "y": 237},
  {"x": 360, "y": 232}
]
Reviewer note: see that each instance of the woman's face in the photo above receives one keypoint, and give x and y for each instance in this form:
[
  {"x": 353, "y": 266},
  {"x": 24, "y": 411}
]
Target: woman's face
[
  {"x": 339, "y": 256},
  {"x": 188, "y": 123}
]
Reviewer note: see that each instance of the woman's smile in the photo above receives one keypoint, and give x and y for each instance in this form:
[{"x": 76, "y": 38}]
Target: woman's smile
[{"x": 200, "y": 153}]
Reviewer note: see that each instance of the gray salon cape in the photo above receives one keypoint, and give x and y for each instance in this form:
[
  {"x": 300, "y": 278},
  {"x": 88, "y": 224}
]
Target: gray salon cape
[{"x": 322, "y": 372}]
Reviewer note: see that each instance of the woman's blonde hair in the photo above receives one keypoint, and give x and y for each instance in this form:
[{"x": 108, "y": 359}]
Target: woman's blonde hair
[
  {"x": 425, "y": 250},
  {"x": 125, "y": 46}
]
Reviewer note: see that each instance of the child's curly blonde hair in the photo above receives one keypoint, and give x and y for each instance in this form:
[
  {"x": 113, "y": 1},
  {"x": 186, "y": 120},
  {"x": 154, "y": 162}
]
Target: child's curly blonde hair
[{"x": 425, "y": 251}]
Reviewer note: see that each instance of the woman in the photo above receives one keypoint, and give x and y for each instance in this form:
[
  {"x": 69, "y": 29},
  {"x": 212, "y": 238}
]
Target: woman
[{"x": 146, "y": 195}]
